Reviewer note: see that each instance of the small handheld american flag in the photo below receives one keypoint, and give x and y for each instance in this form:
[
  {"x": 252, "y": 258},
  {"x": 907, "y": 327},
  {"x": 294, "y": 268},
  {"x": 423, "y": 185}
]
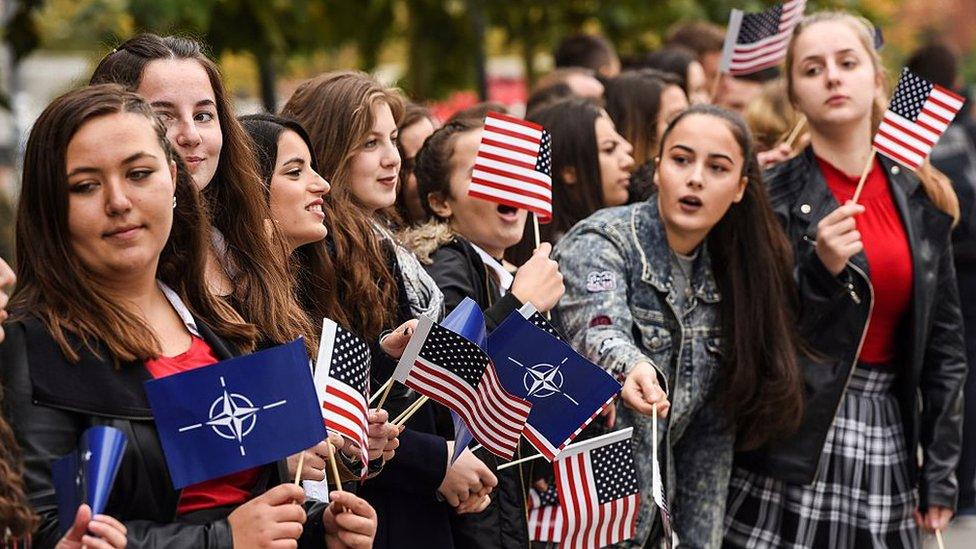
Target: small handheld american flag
[
  {"x": 757, "y": 41},
  {"x": 342, "y": 384},
  {"x": 598, "y": 491},
  {"x": 545, "y": 517},
  {"x": 457, "y": 373},
  {"x": 514, "y": 165},
  {"x": 917, "y": 116}
]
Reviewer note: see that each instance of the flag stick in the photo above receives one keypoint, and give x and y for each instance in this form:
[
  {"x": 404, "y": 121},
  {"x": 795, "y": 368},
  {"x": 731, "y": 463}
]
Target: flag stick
[
  {"x": 298, "y": 473},
  {"x": 383, "y": 390},
  {"x": 938, "y": 538},
  {"x": 476, "y": 447},
  {"x": 864, "y": 176},
  {"x": 386, "y": 393},
  {"x": 516, "y": 462},
  {"x": 797, "y": 129},
  {"x": 410, "y": 411},
  {"x": 535, "y": 228},
  {"x": 335, "y": 468}
]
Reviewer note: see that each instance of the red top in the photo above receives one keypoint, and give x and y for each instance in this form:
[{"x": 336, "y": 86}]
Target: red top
[
  {"x": 233, "y": 489},
  {"x": 889, "y": 257}
]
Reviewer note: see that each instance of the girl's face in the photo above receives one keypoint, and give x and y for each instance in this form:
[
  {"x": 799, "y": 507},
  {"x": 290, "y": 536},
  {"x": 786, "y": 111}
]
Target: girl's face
[
  {"x": 699, "y": 176},
  {"x": 673, "y": 101},
  {"x": 296, "y": 193},
  {"x": 615, "y": 162},
  {"x": 375, "y": 162},
  {"x": 834, "y": 80},
  {"x": 120, "y": 197},
  {"x": 490, "y": 226},
  {"x": 697, "y": 84},
  {"x": 179, "y": 91},
  {"x": 411, "y": 139}
]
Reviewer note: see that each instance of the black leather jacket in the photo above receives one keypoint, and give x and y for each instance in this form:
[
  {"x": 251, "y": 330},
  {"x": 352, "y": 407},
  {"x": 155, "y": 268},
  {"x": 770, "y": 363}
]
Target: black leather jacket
[
  {"x": 833, "y": 320},
  {"x": 50, "y": 402}
]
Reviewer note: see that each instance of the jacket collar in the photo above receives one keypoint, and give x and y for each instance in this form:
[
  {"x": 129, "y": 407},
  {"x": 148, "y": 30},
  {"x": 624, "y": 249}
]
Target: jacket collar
[
  {"x": 647, "y": 231},
  {"x": 83, "y": 387}
]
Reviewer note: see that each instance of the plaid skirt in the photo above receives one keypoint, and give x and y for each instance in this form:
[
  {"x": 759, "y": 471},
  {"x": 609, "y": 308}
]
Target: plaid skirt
[{"x": 862, "y": 495}]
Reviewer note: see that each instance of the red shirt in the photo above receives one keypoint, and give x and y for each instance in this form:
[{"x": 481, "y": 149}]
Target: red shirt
[
  {"x": 889, "y": 257},
  {"x": 233, "y": 489}
]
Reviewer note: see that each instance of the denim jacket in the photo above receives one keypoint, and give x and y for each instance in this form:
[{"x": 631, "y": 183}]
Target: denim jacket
[{"x": 618, "y": 310}]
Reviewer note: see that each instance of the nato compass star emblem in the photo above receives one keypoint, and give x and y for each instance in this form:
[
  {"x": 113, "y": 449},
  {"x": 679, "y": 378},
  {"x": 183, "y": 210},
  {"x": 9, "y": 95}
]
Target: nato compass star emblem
[
  {"x": 544, "y": 380},
  {"x": 232, "y": 416}
]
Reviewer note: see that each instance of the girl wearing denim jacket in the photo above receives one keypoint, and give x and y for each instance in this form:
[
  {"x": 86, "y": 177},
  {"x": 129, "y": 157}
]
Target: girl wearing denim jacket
[{"x": 688, "y": 299}]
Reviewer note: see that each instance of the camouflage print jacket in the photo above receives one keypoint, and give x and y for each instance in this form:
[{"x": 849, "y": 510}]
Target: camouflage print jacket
[{"x": 618, "y": 310}]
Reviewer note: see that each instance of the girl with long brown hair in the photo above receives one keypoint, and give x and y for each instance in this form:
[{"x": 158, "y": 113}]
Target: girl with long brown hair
[
  {"x": 184, "y": 87},
  {"x": 690, "y": 292},
  {"x": 112, "y": 250},
  {"x": 879, "y": 310},
  {"x": 352, "y": 121}
]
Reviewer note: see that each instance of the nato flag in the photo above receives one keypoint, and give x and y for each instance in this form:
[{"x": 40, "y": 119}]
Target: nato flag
[
  {"x": 565, "y": 389},
  {"x": 87, "y": 474},
  {"x": 236, "y": 414}
]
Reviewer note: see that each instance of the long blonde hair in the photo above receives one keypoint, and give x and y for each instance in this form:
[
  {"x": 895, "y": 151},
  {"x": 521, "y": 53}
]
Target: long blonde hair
[{"x": 937, "y": 186}]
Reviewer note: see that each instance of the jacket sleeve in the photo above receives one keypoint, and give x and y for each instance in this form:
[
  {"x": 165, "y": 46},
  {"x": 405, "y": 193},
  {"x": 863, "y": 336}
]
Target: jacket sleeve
[
  {"x": 821, "y": 293},
  {"x": 941, "y": 385},
  {"x": 452, "y": 273},
  {"x": 597, "y": 318},
  {"x": 44, "y": 434},
  {"x": 417, "y": 468}
]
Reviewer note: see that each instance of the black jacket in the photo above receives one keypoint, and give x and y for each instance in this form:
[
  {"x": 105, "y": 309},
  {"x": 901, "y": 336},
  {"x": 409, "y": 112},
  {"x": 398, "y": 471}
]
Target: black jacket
[
  {"x": 460, "y": 272},
  {"x": 50, "y": 402},
  {"x": 833, "y": 319}
]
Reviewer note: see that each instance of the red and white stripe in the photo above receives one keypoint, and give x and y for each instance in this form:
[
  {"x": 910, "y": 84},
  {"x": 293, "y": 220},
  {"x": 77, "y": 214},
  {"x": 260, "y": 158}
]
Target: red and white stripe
[
  {"x": 504, "y": 169},
  {"x": 768, "y": 52},
  {"x": 493, "y": 415},
  {"x": 546, "y": 448},
  {"x": 911, "y": 142},
  {"x": 346, "y": 412},
  {"x": 545, "y": 521},
  {"x": 586, "y": 523}
]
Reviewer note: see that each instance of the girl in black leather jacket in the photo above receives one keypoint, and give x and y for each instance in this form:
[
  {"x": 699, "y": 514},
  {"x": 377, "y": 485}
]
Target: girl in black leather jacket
[{"x": 880, "y": 312}]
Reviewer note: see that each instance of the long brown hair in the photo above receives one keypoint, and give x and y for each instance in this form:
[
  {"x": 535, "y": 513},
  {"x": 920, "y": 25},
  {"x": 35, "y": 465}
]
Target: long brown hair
[
  {"x": 752, "y": 263},
  {"x": 52, "y": 283},
  {"x": 234, "y": 199},
  {"x": 937, "y": 186},
  {"x": 15, "y": 513},
  {"x": 311, "y": 265},
  {"x": 336, "y": 110},
  {"x": 633, "y": 100}
]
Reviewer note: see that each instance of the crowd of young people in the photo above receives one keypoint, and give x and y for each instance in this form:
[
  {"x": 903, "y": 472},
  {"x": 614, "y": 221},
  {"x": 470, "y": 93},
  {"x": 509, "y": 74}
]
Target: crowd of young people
[{"x": 805, "y": 354}]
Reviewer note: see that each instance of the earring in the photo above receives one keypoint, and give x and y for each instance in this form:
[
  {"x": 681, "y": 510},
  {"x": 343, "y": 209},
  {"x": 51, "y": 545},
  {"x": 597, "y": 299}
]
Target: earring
[{"x": 174, "y": 201}]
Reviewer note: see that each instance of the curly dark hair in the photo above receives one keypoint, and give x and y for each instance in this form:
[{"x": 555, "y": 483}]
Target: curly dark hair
[{"x": 15, "y": 514}]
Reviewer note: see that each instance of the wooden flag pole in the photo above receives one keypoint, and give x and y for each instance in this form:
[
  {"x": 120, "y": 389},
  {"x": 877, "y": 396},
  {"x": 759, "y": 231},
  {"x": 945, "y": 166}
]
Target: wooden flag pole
[
  {"x": 938, "y": 538},
  {"x": 298, "y": 473},
  {"x": 382, "y": 392},
  {"x": 516, "y": 462},
  {"x": 410, "y": 411},
  {"x": 335, "y": 468},
  {"x": 864, "y": 176},
  {"x": 386, "y": 393},
  {"x": 797, "y": 129},
  {"x": 535, "y": 228}
]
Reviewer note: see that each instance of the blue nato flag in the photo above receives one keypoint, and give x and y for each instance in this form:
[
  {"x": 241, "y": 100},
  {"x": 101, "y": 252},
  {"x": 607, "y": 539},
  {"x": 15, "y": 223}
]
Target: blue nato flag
[{"x": 236, "y": 414}]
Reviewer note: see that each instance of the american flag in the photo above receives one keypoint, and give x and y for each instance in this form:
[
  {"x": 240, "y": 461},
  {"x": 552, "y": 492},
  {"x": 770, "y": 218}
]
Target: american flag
[
  {"x": 917, "y": 116},
  {"x": 756, "y": 41},
  {"x": 514, "y": 165},
  {"x": 545, "y": 517},
  {"x": 342, "y": 384},
  {"x": 457, "y": 373},
  {"x": 598, "y": 491}
]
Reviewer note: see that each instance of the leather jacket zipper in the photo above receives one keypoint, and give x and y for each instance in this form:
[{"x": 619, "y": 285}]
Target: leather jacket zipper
[{"x": 857, "y": 354}]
